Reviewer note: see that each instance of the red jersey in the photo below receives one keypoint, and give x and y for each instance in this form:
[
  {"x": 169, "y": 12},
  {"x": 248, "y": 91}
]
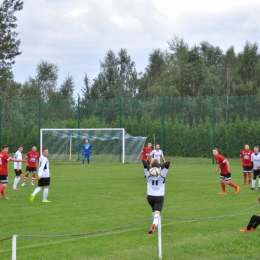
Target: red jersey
[
  {"x": 222, "y": 162},
  {"x": 4, "y": 159},
  {"x": 146, "y": 152},
  {"x": 245, "y": 156},
  {"x": 32, "y": 157}
]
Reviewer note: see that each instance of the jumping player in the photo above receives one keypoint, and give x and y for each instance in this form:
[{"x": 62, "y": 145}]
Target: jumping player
[{"x": 31, "y": 158}]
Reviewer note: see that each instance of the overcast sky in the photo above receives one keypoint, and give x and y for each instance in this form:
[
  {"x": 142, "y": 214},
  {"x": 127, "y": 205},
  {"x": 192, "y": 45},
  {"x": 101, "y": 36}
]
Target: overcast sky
[{"x": 76, "y": 34}]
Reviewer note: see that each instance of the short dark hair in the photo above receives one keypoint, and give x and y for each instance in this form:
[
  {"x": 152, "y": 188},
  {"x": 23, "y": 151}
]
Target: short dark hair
[
  {"x": 20, "y": 146},
  {"x": 155, "y": 163},
  {"x": 43, "y": 149},
  {"x": 5, "y": 146}
]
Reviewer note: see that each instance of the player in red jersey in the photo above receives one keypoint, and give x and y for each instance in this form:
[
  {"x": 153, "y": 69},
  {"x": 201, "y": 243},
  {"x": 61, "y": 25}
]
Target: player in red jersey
[
  {"x": 4, "y": 159},
  {"x": 225, "y": 174},
  {"x": 245, "y": 159},
  {"x": 145, "y": 152},
  {"x": 31, "y": 158}
]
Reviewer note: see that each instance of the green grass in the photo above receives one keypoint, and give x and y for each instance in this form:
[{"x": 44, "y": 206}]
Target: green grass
[{"x": 110, "y": 197}]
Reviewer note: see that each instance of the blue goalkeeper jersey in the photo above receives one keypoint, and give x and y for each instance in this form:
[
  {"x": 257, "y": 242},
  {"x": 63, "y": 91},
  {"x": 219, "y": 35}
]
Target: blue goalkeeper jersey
[{"x": 86, "y": 149}]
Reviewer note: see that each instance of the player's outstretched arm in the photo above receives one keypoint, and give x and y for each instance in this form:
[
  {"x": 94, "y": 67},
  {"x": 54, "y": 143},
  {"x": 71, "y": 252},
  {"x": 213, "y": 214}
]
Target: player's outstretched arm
[{"x": 166, "y": 165}]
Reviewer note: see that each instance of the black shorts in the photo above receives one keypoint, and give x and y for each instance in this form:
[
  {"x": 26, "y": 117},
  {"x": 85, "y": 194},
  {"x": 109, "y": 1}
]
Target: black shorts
[
  {"x": 44, "y": 182},
  {"x": 156, "y": 202},
  {"x": 247, "y": 169},
  {"x": 256, "y": 173},
  {"x": 30, "y": 169},
  {"x": 225, "y": 177},
  {"x": 18, "y": 172},
  {"x": 3, "y": 179}
]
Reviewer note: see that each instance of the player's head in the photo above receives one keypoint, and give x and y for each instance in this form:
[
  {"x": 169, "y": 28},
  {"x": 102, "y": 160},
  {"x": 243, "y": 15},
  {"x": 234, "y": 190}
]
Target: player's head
[
  {"x": 246, "y": 147},
  {"x": 20, "y": 148},
  {"x": 149, "y": 145},
  {"x": 86, "y": 141},
  {"x": 45, "y": 151},
  {"x": 34, "y": 148},
  {"x": 155, "y": 163},
  {"x": 215, "y": 151},
  {"x": 256, "y": 149},
  {"x": 157, "y": 147},
  {"x": 5, "y": 148}
]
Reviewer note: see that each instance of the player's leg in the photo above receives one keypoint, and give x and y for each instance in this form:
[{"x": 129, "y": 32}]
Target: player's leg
[
  {"x": 3, "y": 185},
  {"x": 83, "y": 159},
  {"x": 88, "y": 158},
  {"x": 27, "y": 171},
  {"x": 46, "y": 189},
  {"x": 157, "y": 207},
  {"x": 222, "y": 184},
  {"x": 249, "y": 174},
  {"x": 17, "y": 178},
  {"x": 230, "y": 183},
  {"x": 37, "y": 190},
  {"x": 33, "y": 177},
  {"x": 245, "y": 174},
  {"x": 253, "y": 224},
  {"x": 256, "y": 172}
]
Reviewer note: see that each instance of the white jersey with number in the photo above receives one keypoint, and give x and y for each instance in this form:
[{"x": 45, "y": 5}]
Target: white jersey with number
[
  {"x": 255, "y": 158},
  {"x": 44, "y": 170},
  {"x": 157, "y": 154},
  {"x": 156, "y": 185},
  {"x": 18, "y": 156}
]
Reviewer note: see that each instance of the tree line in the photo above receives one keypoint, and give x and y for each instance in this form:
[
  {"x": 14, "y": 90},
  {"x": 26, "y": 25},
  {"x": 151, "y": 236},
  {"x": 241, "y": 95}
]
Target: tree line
[{"x": 178, "y": 71}]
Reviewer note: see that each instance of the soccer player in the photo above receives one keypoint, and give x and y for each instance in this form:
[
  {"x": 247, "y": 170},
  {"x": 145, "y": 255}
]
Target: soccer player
[
  {"x": 4, "y": 159},
  {"x": 245, "y": 159},
  {"x": 17, "y": 167},
  {"x": 157, "y": 154},
  {"x": 156, "y": 190},
  {"x": 145, "y": 152},
  {"x": 225, "y": 174},
  {"x": 86, "y": 151},
  {"x": 31, "y": 158},
  {"x": 255, "y": 159},
  {"x": 43, "y": 176}
]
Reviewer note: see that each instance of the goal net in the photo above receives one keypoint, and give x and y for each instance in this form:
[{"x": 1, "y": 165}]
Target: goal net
[{"x": 108, "y": 144}]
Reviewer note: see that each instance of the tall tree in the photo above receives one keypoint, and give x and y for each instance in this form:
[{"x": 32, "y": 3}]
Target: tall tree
[
  {"x": 9, "y": 45},
  {"x": 118, "y": 77}
]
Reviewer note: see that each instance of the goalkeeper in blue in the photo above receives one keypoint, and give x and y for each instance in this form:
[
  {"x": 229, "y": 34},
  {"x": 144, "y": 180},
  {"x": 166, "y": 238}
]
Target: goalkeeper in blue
[{"x": 86, "y": 151}]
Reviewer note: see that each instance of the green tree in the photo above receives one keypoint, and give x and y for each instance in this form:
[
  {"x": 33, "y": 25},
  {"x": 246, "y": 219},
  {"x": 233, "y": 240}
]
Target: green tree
[{"x": 9, "y": 45}]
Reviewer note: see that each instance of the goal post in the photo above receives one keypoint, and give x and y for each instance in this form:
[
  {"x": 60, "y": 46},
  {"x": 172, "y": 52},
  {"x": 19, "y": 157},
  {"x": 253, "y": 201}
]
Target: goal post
[{"x": 108, "y": 144}]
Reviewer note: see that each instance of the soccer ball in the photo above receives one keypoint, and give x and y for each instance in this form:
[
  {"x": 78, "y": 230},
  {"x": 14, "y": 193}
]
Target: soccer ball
[{"x": 154, "y": 171}]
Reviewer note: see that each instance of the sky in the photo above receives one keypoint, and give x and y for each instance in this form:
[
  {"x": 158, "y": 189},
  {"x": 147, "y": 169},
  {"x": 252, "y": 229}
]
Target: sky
[{"x": 77, "y": 34}]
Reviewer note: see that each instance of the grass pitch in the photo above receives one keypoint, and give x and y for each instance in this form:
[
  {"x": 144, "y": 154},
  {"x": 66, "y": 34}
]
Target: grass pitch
[{"x": 101, "y": 212}]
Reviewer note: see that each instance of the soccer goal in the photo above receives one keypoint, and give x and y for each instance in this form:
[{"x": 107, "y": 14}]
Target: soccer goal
[{"x": 108, "y": 144}]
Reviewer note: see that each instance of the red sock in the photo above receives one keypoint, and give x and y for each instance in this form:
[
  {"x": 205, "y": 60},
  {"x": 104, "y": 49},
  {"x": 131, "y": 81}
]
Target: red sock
[
  {"x": 245, "y": 176},
  {"x": 249, "y": 176},
  {"x": 2, "y": 190},
  {"x": 223, "y": 186},
  {"x": 232, "y": 184}
]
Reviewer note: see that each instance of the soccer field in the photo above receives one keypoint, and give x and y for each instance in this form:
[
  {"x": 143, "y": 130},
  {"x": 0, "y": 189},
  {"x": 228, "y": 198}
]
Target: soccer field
[{"x": 101, "y": 212}]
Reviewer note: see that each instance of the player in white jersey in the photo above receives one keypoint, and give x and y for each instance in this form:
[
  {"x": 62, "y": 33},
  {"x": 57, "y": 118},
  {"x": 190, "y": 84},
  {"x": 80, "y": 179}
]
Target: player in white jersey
[
  {"x": 17, "y": 167},
  {"x": 255, "y": 159},
  {"x": 43, "y": 176},
  {"x": 157, "y": 154},
  {"x": 156, "y": 190}
]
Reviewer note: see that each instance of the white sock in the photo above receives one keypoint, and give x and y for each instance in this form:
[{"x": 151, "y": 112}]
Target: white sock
[
  {"x": 253, "y": 183},
  {"x": 153, "y": 214},
  {"x": 156, "y": 219},
  {"x": 259, "y": 183},
  {"x": 38, "y": 189},
  {"x": 45, "y": 193},
  {"x": 16, "y": 181}
]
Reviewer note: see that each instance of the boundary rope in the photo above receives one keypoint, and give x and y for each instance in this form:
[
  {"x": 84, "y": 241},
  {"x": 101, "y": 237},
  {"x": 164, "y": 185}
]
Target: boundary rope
[{"x": 126, "y": 226}]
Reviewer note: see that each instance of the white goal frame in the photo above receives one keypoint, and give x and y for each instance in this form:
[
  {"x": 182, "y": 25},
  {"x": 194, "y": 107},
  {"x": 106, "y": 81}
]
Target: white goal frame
[{"x": 85, "y": 129}]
